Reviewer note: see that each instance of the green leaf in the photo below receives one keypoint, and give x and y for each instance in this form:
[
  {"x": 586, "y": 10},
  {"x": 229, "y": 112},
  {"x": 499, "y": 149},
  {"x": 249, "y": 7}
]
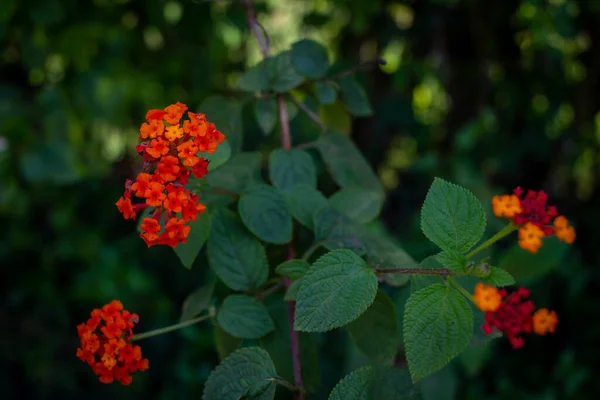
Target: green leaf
[
  {"x": 358, "y": 204},
  {"x": 385, "y": 253},
  {"x": 475, "y": 357},
  {"x": 303, "y": 201},
  {"x": 282, "y": 75},
  {"x": 354, "y": 97},
  {"x": 293, "y": 269},
  {"x": 244, "y": 317},
  {"x": 265, "y": 213},
  {"x": 337, "y": 231},
  {"x": 265, "y": 111},
  {"x": 453, "y": 260},
  {"x": 199, "y": 232},
  {"x": 292, "y": 291},
  {"x": 499, "y": 277},
  {"x": 441, "y": 385},
  {"x": 197, "y": 301},
  {"x": 375, "y": 382},
  {"x": 524, "y": 265},
  {"x": 236, "y": 256},
  {"x": 376, "y": 331},
  {"x": 288, "y": 168},
  {"x": 336, "y": 290},
  {"x": 241, "y": 172},
  {"x": 219, "y": 157},
  {"x": 255, "y": 78},
  {"x": 54, "y": 162},
  {"x": 326, "y": 92},
  {"x": 310, "y": 58},
  {"x": 452, "y": 217},
  {"x": 346, "y": 164},
  {"x": 438, "y": 325},
  {"x": 243, "y": 370},
  {"x": 225, "y": 343},
  {"x": 226, "y": 114}
]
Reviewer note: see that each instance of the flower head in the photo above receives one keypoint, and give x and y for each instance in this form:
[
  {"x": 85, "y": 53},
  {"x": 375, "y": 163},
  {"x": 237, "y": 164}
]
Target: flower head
[
  {"x": 511, "y": 314},
  {"x": 487, "y": 298},
  {"x": 171, "y": 148},
  {"x": 105, "y": 344},
  {"x": 533, "y": 216},
  {"x": 544, "y": 321}
]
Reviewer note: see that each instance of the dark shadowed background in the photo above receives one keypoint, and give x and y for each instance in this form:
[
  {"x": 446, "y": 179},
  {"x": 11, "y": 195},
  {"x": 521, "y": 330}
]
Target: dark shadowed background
[{"x": 488, "y": 94}]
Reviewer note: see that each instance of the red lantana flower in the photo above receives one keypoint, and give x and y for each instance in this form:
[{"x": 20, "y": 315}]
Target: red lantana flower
[
  {"x": 511, "y": 314},
  {"x": 534, "y": 218}
]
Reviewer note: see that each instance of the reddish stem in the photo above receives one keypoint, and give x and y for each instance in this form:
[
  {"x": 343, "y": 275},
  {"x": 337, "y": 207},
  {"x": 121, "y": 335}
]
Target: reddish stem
[
  {"x": 286, "y": 139},
  {"x": 294, "y": 336},
  {"x": 286, "y": 143}
]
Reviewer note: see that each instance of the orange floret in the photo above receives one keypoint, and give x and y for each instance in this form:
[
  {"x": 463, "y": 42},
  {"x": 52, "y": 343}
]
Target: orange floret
[
  {"x": 487, "y": 298},
  {"x": 151, "y": 129},
  {"x": 158, "y": 148},
  {"x": 141, "y": 186},
  {"x": 174, "y": 112},
  {"x": 544, "y": 321},
  {"x": 564, "y": 231},
  {"x": 173, "y": 133},
  {"x": 187, "y": 153},
  {"x": 124, "y": 205},
  {"x": 167, "y": 168},
  {"x": 156, "y": 196},
  {"x": 530, "y": 237},
  {"x": 506, "y": 205}
]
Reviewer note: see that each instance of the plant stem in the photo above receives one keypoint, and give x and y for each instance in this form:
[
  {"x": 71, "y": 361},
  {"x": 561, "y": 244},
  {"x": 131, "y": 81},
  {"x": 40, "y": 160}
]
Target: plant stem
[
  {"x": 273, "y": 289},
  {"x": 286, "y": 144},
  {"x": 286, "y": 139},
  {"x": 508, "y": 229},
  {"x": 461, "y": 289},
  {"x": 309, "y": 252},
  {"x": 256, "y": 29},
  {"x": 310, "y": 113},
  {"x": 415, "y": 271},
  {"x": 295, "y": 343},
  {"x": 294, "y": 336},
  {"x": 284, "y": 383},
  {"x": 170, "y": 328},
  {"x": 378, "y": 61}
]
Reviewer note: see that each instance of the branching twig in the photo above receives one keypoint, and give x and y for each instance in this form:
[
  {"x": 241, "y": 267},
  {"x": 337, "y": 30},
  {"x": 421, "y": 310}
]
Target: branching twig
[
  {"x": 414, "y": 271},
  {"x": 255, "y": 28},
  {"x": 273, "y": 289},
  {"x": 286, "y": 143},
  {"x": 310, "y": 113},
  {"x": 364, "y": 64}
]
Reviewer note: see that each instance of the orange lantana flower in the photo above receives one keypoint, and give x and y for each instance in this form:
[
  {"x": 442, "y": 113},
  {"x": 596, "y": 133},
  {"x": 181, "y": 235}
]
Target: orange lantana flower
[
  {"x": 544, "y": 321},
  {"x": 105, "y": 344},
  {"x": 172, "y": 152},
  {"x": 487, "y": 298}
]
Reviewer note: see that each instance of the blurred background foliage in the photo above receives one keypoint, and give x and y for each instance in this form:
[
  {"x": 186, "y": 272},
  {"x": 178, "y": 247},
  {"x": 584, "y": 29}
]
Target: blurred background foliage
[{"x": 489, "y": 95}]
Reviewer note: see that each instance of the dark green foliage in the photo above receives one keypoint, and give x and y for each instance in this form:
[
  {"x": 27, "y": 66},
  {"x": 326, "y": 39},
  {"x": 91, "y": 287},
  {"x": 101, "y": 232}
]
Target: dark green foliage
[{"x": 488, "y": 95}]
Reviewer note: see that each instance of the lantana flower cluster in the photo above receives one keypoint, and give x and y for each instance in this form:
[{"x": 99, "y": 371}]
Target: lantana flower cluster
[
  {"x": 534, "y": 217},
  {"x": 106, "y": 344},
  {"x": 512, "y": 314},
  {"x": 170, "y": 148}
]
